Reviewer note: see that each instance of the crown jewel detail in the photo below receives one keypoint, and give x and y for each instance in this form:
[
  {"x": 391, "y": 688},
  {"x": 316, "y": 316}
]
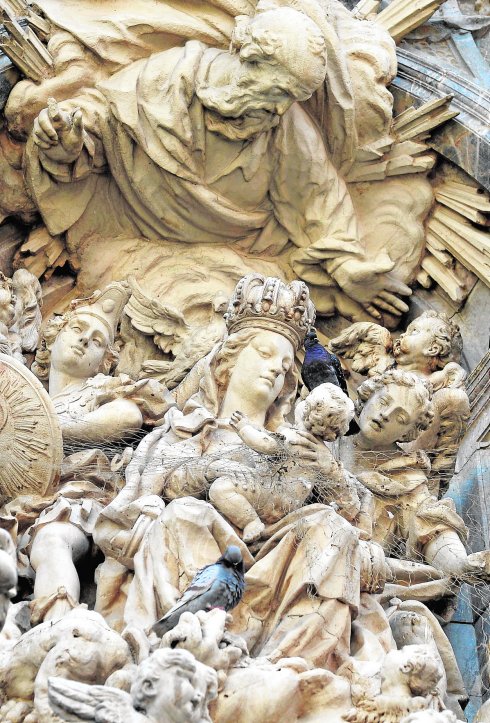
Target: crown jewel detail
[{"x": 269, "y": 303}]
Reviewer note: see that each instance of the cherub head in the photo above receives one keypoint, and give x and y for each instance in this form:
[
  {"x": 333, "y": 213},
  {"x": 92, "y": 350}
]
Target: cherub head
[
  {"x": 413, "y": 670},
  {"x": 326, "y": 412},
  {"x": 429, "y": 343},
  {"x": 174, "y": 682},
  {"x": 394, "y": 407}
]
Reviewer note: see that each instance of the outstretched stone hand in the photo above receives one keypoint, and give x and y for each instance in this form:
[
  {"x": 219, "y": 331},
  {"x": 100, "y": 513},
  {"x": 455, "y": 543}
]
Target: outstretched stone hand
[
  {"x": 59, "y": 133},
  {"x": 204, "y": 635},
  {"x": 370, "y": 284},
  {"x": 477, "y": 569}
]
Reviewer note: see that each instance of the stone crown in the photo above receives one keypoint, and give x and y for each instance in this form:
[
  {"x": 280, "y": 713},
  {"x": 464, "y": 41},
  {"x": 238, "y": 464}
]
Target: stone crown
[
  {"x": 269, "y": 303},
  {"x": 106, "y": 305}
]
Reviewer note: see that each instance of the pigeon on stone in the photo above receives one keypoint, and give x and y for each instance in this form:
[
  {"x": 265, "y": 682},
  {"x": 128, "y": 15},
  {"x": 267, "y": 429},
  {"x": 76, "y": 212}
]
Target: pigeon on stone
[
  {"x": 219, "y": 585},
  {"x": 321, "y": 366}
]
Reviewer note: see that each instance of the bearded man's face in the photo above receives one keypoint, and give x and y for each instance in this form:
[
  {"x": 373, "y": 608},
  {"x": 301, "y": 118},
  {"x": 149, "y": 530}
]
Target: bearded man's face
[{"x": 259, "y": 88}]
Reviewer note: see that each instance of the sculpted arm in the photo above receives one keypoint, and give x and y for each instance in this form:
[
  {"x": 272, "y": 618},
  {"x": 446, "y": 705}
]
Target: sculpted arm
[
  {"x": 66, "y": 151},
  {"x": 312, "y": 201},
  {"x": 110, "y": 422}
]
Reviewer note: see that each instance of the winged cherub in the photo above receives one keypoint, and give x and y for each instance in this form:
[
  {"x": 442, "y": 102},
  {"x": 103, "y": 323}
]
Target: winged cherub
[
  {"x": 170, "y": 686},
  {"x": 431, "y": 348}
]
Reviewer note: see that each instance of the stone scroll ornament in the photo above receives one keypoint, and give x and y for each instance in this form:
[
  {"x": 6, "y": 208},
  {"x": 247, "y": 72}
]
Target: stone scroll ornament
[{"x": 31, "y": 446}]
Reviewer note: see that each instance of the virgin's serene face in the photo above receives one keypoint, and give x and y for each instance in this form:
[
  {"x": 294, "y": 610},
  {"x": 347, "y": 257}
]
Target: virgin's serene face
[
  {"x": 389, "y": 415},
  {"x": 418, "y": 343},
  {"x": 80, "y": 347},
  {"x": 261, "y": 367}
]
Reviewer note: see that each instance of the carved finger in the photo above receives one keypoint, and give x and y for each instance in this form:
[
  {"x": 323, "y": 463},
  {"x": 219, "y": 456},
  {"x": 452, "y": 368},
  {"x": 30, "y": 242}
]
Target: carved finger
[
  {"x": 371, "y": 310},
  {"x": 393, "y": 300},
  {"x": 39, "y": 136},
  {"x": 382, "y": 304},
  {"x": 42, "y": 144},
  {"x": 77, "y": 121},
  {"x": 46, "y": 125},
  {"x": 397, "y": 286},
  {"x": 308, "y": 454},
  {"x": 308, "y": 436}
]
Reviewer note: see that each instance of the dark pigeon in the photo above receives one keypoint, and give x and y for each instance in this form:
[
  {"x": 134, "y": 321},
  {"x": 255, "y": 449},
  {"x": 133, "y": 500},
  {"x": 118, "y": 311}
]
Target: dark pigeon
[
  {"x": 321, "y": 366},
  {"x": 219, "y": 585}
]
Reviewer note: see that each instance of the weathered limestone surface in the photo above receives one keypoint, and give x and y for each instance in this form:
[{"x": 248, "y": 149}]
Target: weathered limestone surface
[{"x": 242, "y": 445}]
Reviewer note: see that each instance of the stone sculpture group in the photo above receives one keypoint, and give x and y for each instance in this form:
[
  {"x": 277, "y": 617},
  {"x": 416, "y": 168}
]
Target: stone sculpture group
[
  {"x": 334, "y": 538},
  {"x": 204, "y": 173}
]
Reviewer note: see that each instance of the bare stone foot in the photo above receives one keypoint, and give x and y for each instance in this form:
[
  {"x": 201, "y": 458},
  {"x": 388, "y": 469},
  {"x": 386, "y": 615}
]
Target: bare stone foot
[{"x": 253, "y": 530}]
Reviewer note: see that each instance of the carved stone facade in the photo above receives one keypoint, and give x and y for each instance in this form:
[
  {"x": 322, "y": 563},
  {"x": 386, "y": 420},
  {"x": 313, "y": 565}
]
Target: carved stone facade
[{"x": 242, "y": 443}]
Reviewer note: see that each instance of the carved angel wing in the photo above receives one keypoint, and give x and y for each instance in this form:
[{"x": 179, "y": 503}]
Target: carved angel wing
[
  {"x": 74, "y": 701},
  {"x": 150, "y": 316},
  {"x": 442, "y": 439},
  {"x": 369, "y": 346},
  {"x": 452, "y": 376},
  {"x": 194, "y": 347}
]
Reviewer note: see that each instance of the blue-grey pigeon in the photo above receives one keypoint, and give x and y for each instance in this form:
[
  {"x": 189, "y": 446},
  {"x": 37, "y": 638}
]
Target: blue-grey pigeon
[
  {"x": 219, "y": 585},
  {"x": 320, "y": 365}
]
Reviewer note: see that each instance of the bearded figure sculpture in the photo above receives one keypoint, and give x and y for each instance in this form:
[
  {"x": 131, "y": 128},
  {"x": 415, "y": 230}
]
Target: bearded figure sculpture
[{"x": 231, "y": 140}]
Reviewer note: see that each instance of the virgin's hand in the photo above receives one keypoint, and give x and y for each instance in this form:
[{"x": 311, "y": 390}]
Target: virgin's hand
[{"x": 60, "y": 134}]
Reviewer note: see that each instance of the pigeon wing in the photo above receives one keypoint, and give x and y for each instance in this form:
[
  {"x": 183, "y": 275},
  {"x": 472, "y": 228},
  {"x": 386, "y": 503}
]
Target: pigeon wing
[
  {"x": 340, "y": 373},
  {"x": 201, "y": 583}
]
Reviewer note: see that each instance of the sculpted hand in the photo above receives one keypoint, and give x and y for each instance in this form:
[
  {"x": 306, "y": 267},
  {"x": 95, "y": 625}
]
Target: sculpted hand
[
  {"x": 369, "y": 283},
  {"x": 301, "y": 445},
  {"x": 60, "y": 134},
  {"x": 477, "y": 568},
  {"x": 204, "y": 635}
]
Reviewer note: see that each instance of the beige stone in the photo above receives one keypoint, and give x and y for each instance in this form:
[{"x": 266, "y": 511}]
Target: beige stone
[
  {"x": 430, "y": 347},
  {"x": 191, "y": 161},
  {"x": 8, "y": 574},
  {"x": 170, "y": 686}
]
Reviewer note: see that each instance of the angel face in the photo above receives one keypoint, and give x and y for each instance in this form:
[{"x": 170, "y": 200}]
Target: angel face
[
  {"x": 418, "y": 344},
  {"x": 171, "y": 689},
  {"x": 80, "y": 347},
  {"x": 260, "y": 368},
  {"x": 413, "y": 670},
  {"x": 389, "y": 415}
]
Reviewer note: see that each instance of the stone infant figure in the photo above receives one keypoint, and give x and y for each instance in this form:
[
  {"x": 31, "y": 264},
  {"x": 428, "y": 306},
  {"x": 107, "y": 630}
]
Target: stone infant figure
[{"x": 250, "y": 500}]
